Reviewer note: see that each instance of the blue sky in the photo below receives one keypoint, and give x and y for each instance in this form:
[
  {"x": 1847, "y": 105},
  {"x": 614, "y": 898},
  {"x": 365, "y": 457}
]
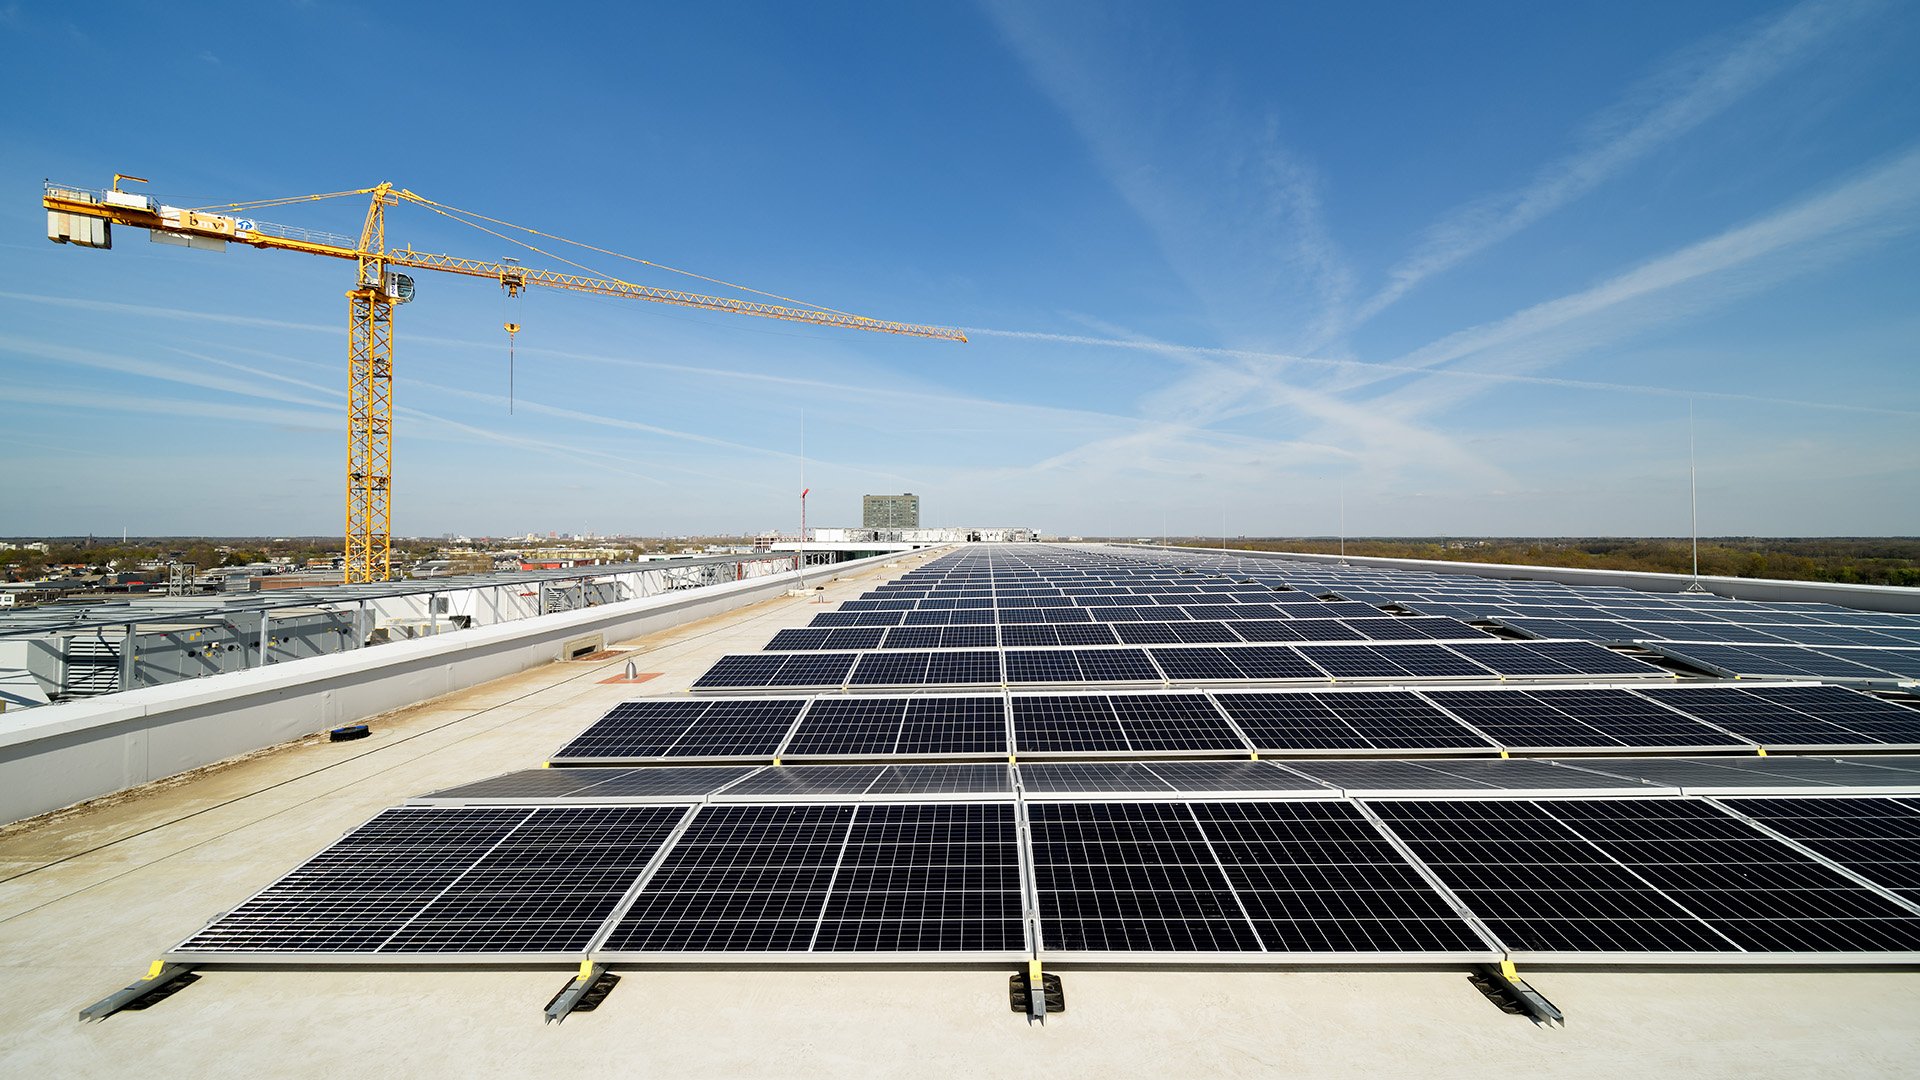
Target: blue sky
[{"x": 1461, "y": 268}]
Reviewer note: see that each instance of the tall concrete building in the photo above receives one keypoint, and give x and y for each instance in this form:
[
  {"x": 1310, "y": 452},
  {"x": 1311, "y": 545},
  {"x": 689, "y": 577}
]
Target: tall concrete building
[{"x": 890, "y": 511}]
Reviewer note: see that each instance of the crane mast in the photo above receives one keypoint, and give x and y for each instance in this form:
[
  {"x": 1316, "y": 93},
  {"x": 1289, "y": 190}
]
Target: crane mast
[{"x": 85, "y": 218}]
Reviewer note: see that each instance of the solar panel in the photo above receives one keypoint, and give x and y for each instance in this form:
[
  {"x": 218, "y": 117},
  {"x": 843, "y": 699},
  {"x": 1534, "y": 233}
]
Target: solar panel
[
  {"x": 1084, "y": 634},
  {"x": 1333, "y": 720},
  {"x": 1106, "y": 777},
  {"x": 1540, "y": 886},
  {"x": 1274, "y": 877},
  {"x": 1232, "y": 776},
  {"x": 815, "y": 638},
  {"x": 954, "y": 725},
  {"x": 955, "y": 668},
  {"x": 1065, "y": 723},
  {"x": 1033, "y": 635},
  {"x": 1374, "y": 776},
  {"x": 1633, "y": 719},
  {"x": 637, "y": 729},
  {"x": 593, "y": 783},
  {"x": 1271, "y": 662},
  {"x": 1519, "y": 658},
  {"x": 813, "y": 669},
  {"x": 756, "y": 669},
  {"x": 1798, "y": 774},
  {"x": 1172, "y": 722},
  {"x": 850, "y": 726},
  {"x": 891, "y": 669},
  {"x": 918, "y": 878},
  {"x": 1877, "y": 838},
  {"x": 1796, "y": 715},
  {"x": 1131, "y": 877},
  {"x": 913, "y": 637},
  {"x": 441, "y": 880},
  {"x": 1197, "y": 665},
  {"x": 1518, "y": 718},
  {"x": 740, "y": 879},
  {"x": 777, "y": 782},
  {"x": 1294, "y": 721},
  {"x": 750, "y": 727},
  {"x": 927, "y": 879},
  {"x": 1316, "y": 877},
  {"x": 1116, "y": 665},
  {"x": 943, "y": 780},
  {"x": 1761, "y": 894},
  {"x": 1042, "y": 666},
  {"x": 1281, "y": 629}
]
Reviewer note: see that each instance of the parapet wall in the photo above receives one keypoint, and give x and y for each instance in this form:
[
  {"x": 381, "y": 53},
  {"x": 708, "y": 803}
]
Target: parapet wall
[{"x": 58, "y": 755}]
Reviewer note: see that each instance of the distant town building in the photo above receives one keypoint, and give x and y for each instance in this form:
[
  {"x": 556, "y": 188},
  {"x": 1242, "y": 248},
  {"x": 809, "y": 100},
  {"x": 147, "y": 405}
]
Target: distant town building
[{"x": 890, "y": 511}]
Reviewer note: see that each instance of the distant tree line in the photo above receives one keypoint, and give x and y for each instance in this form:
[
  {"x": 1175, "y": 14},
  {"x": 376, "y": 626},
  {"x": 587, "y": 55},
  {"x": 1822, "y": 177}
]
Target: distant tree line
[{"x": 1848, "y": 560}]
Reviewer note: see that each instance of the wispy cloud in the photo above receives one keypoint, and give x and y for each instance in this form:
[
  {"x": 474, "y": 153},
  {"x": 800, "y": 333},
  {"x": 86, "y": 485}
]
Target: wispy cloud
[
  {"x": 1808, "y": 235},
  {"x": 1665, "y": 107},
  {"x": 1238, "y": 213},
  {"x": 1250, "y": 382}
]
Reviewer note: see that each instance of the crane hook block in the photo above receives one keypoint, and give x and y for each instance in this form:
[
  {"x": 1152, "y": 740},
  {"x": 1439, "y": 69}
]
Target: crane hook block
[{"x": 512, "y": 327}]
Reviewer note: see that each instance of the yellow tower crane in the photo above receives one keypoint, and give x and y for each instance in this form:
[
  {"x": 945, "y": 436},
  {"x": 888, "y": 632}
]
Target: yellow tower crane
[{"x": 86, "y": 217}]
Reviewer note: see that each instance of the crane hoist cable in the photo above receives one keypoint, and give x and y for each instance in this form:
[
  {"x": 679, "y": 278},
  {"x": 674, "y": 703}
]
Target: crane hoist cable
[{"x": 509, "y": 297}]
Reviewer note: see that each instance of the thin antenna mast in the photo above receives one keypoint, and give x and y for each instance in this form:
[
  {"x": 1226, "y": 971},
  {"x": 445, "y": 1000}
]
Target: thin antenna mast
[
  {"x": 1343, "y": 523},
  {"x": 1693, "y": 499}
]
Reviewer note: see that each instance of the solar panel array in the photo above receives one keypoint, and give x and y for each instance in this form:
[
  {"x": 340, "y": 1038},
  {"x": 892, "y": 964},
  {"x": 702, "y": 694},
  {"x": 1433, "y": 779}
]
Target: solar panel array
[{"x": 1016, "y": 752}]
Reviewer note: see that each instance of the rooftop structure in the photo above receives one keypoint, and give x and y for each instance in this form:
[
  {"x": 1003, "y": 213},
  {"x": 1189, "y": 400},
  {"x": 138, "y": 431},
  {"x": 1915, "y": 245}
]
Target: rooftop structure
[{"x": 1275, "y": 770}]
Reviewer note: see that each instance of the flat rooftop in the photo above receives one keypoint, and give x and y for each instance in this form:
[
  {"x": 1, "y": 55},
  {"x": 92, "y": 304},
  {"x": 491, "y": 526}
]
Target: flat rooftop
[{"x": 90, "y": 895}]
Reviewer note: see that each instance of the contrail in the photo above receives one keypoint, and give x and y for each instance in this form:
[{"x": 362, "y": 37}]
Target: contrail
[{"x": 1414, "y": 369}]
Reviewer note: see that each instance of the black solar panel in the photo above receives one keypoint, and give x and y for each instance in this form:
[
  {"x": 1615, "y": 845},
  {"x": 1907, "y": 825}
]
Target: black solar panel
[
  {"x": 1796, "y": 715},
  {"x": 1552, "y": 658},
  {"x": 1230, "y": 776},
  {"x": 757, "y": 669},
  {"x": 1076, "y": 723},
  {"x": 1540, "y": 886},
  {"x": 872, "y": 878},
  {"x": 751, "y": 727},
  {"x": 1032, "y": 635},
  {"x": 1116, "y": 665},
  {"x": 814, "y": 638},
  {"x": 1316, "y": 877},
  {"x": 1131, "y": 877},
  {"x": 888, "y": 668},
  {"x": 1517, "y": 718},
  {"x": 595, "y": 783},
  {"x": 954, "y": 725},
  {"x": 813, "y": 669},
  {"x": 453, "y": 880},
  {"x": 956, "y": 668},
  {"x": 1068, "y": 777},
  {"x": 919, "y": 878},
  {"x": 740, "y": 879},
  {"x": 1877, "y": 838},
  {"x": 913, "y": 637},
  {"x": 636, "y": 729},
  {"x": 848, "y": 727},
  {"x": 943, "y": 780},
  {"x": 1332, "y": 720},
  {"x": 1042, "y": 666},
  {"x": 1197, "y": 664},
  {"x": 1760, "y": 893},
  {"x": 1164, "y": 722},
  {"x": 1633, "y": 719}
]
